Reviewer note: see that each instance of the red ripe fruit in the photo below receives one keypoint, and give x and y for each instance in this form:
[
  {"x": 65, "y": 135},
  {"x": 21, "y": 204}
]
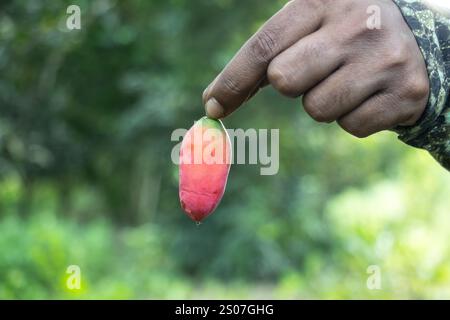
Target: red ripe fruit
[{"x": 205, "y": 159}]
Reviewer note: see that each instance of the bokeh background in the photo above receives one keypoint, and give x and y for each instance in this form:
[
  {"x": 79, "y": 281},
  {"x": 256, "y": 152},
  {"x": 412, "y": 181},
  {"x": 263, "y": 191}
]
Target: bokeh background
[{"x": 86, "y": 177}]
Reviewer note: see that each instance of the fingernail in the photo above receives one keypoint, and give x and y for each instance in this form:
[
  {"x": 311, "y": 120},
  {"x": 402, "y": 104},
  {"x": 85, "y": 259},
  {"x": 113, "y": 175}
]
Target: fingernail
[
  {"x": 214, "y": 109},
  {"x": 207, "y": 91},
  {"x": 205, "y": 94}
]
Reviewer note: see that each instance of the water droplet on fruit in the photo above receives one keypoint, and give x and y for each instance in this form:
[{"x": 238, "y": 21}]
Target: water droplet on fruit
[{"x": 198, "y": 223}]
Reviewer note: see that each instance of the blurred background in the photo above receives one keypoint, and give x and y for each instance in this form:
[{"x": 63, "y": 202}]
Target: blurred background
[{"x": 86, "y": 177}]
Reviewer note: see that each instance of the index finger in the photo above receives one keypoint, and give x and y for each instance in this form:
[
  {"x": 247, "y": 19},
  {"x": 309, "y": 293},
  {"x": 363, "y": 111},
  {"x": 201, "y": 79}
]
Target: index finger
[{"x": 248, "y": 68}]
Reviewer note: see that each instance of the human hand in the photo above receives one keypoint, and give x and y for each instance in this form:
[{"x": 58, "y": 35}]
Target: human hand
[{"x": 368, "y": 80}]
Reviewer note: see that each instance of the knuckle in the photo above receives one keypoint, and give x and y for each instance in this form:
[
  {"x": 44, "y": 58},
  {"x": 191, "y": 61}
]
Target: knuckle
[
  {"x": 264, "y": 46},
  {"x": 416, "y": 88},
  {"x": 281, "y": 80},
  {"x": 315, "y": 106}
]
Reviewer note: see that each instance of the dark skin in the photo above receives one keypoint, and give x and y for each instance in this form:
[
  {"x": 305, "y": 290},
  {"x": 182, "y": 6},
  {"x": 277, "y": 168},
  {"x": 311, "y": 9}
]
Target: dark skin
[{"x": 367, "y": 80}]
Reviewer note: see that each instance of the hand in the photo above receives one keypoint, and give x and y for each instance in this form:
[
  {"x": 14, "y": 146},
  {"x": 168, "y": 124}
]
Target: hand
[{"x": 367, "y": 80}]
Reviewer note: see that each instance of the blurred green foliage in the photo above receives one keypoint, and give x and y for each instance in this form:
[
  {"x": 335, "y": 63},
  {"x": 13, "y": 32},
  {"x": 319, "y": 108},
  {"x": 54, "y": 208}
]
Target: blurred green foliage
[{"x": 86, "y": 176}]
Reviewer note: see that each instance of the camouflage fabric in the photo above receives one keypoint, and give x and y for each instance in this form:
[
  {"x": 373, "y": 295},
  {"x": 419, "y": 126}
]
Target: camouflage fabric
[{"x": 432, "y": 32}]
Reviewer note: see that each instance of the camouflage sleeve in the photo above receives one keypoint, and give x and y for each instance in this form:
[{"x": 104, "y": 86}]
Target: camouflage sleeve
[{"x": 432, "y": 32}]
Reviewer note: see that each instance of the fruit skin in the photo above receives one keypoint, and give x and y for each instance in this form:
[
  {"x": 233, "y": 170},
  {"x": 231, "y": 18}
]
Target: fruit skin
[{"x": 202, "y": 183}]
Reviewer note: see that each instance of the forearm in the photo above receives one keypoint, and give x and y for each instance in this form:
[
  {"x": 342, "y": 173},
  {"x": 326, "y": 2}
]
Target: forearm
[{"x": 432, "y": 32}]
